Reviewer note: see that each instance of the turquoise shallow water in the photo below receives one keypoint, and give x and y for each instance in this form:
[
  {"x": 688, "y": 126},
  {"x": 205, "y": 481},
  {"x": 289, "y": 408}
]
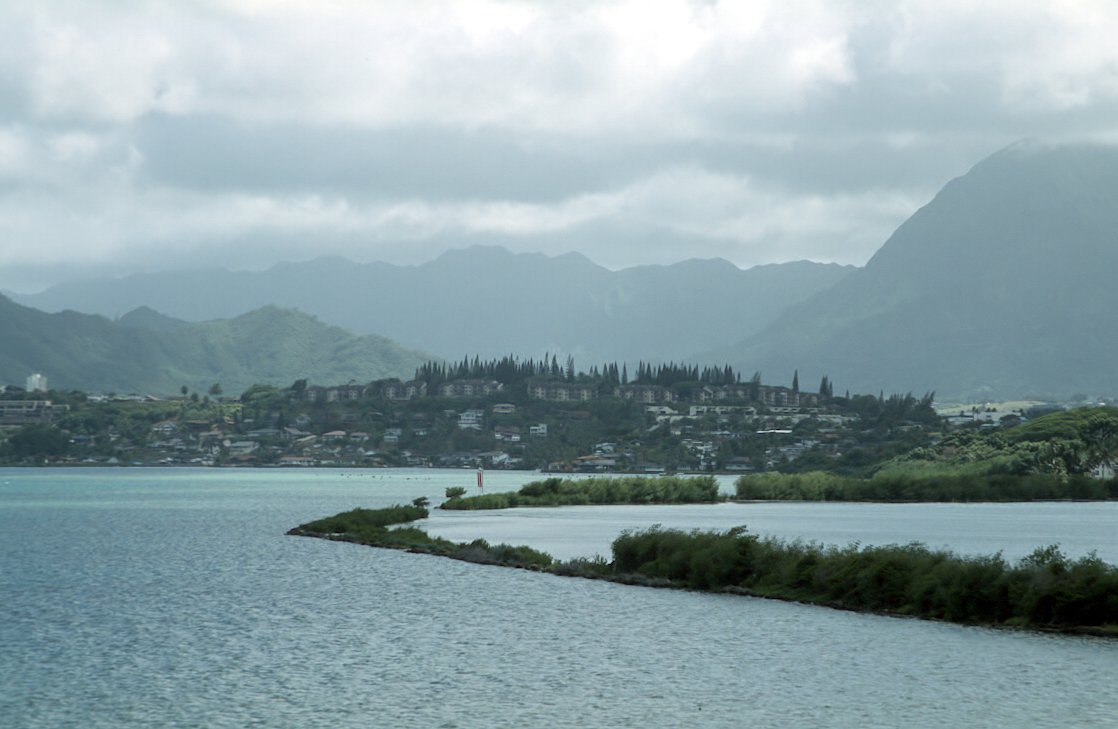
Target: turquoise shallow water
[{"x": 172, "y": 598}]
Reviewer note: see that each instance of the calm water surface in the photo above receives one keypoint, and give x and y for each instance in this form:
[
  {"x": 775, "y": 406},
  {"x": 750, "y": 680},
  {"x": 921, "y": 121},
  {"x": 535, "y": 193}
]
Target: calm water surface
[{"x": 134, "y": 598}]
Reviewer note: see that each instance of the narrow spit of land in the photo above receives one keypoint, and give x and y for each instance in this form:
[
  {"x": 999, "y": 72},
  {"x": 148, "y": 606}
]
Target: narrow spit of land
[{"x": 1044, "y": 591}]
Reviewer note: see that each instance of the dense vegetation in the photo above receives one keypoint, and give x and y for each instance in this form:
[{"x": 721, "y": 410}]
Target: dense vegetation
[
  {"x": 1049, "y": 457},
  {"x": 365, "y": 521},
  {"x": 371, "y": 527},
  {"x": 623, "y": 490},
  {"x": 1064, "y": 443},
  {"x": 1044, "y": 590},
  {"x": 511, "y": 370},
  {"x": 820, "y": 486}
]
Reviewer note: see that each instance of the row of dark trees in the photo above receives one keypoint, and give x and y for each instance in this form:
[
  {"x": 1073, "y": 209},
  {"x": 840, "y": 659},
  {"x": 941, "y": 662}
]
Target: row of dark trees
[
  {"x": 512, "y": 370},
  {"x": 507, "y": 370}
]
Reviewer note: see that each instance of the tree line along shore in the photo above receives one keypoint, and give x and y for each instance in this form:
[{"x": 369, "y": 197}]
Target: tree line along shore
[{"x": 1044, "y": 591}]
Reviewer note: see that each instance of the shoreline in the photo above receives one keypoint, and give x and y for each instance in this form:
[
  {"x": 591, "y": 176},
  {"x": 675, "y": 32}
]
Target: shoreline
[
  {"x": 711, "y": 562},
  {"x": 638, "y": 580}
]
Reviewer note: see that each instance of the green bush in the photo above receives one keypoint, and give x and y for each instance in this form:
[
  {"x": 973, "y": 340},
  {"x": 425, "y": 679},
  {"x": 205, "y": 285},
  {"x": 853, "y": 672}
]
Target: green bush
[
  {"x": 359, "y": 520},
  {"x": 915, "y": 485},
  {"x": 1045, "y": 589},
  {"x": 370, "y": 526}
]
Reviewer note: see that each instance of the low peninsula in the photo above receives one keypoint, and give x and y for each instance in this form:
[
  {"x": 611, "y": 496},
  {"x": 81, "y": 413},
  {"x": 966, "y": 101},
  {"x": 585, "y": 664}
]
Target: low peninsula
[{"x": 1045, "y": 591}]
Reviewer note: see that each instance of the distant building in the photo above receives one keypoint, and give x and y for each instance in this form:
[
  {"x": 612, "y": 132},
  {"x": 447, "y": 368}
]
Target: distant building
[
  {"x": 30, "y": 412},
  {"x": 296, "y": 461},
  {"x": 739, "y": 464},
  {"x": 469, "y": 388},
  {"x": 561, "y": 391},
  {"x": 37, "y": 383},
  {"x": 470, "y": 419},
  {"x": 338, "y": 393},
  {"x": 647, "y": 394},
  {"x": 396, "y": 390},
  {"x": 242, "y": 447}
]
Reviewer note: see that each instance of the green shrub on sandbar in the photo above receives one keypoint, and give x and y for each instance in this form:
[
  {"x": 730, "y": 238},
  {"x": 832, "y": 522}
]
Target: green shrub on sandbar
[
  {"x": 371, "y": 527},
  {"x": 1044, "y": 590},
  {"x": 482, "y": 552},
  {"x": 612, "y": 490}
]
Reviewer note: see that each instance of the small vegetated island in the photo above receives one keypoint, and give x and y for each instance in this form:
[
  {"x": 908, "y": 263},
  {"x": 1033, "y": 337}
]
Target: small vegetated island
[
  {"x": 1044, "y": 591},
  {"x": 597, "y": 491}
]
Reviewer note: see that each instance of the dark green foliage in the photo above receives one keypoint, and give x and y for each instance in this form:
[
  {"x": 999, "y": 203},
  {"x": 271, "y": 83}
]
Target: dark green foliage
[
  {"x": 821, "y": 486},
  {"x": 621, "y": 490},
  {"x": 362, "y": 520},
  {"x": 1046, "y": 458},
  {"x": 482, "y": 552},
  {"x": 370, "y": 527},
  {"x": 455, "y": 492},
  {"x": 592, "y": 568},
  {"x": 36, "y": 441},
  {"x": 1062, "y": 445},
  {"x": 1044, "y": 590},
  {"x": 511, "y": 370}
]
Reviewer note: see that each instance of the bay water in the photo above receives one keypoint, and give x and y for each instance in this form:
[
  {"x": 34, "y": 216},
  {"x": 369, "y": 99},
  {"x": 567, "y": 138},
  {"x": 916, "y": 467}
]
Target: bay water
[{"x": 173, "y": 598}]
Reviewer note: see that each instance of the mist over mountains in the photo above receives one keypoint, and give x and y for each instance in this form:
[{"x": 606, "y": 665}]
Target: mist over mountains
[
  {"x": 485, "y": 301},
  {"x": 1002, "y": 286}
]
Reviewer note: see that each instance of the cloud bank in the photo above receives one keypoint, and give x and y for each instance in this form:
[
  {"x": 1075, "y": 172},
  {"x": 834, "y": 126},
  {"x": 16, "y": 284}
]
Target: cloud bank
[{"x": 142, "y": 136}]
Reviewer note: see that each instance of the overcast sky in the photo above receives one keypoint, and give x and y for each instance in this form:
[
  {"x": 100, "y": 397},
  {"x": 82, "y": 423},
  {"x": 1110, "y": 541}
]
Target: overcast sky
[{"x": 148, "y": 135}]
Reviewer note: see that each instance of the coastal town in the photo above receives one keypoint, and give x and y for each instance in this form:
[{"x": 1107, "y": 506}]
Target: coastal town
[{"x": 543, "y": 417}]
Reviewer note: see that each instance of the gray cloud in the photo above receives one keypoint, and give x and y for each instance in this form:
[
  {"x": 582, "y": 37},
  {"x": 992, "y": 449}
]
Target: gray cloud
[
  {"x": 413, "y": 162},
  {"x": 241, "y": 134}
]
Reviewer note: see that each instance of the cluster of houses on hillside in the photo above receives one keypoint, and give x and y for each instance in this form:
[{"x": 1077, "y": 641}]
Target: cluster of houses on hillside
[
  {"x": 30, "y": 412},
  {"x": 562, "y": 391}
]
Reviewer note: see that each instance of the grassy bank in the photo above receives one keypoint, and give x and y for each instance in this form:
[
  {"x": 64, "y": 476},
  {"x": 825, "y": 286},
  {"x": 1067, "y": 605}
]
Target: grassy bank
[
  {"x": 929, "y": 487},
  {"x": 1044, "y": 591},
  {"x": 620, "y": 490}
]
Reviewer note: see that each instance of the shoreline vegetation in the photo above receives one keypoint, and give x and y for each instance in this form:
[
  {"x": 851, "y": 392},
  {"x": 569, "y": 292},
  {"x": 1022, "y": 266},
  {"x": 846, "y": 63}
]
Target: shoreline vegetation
[
  {"x": 596, "y": 491},
  {"x": 929, "y": 488},
  {"x": 1045, "y": 591}
]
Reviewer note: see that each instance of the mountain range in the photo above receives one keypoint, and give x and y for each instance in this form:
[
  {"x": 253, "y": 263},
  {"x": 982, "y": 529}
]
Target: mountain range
[
  {"x": 145, "y": 351},
  {"x": 485, "y": 301},
  {"x": 1004, "y": 285}
]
